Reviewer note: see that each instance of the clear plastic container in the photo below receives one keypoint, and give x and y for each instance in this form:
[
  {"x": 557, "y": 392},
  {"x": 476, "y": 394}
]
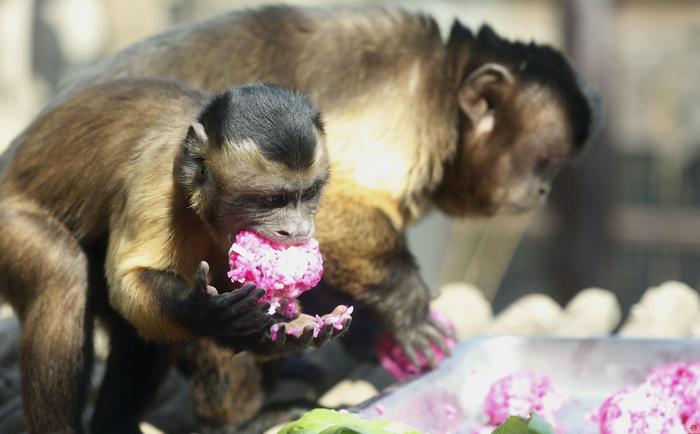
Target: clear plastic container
[{"x": 450, "y": 399}]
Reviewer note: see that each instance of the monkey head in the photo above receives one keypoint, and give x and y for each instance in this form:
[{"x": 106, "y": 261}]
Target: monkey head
[
  {"x": 522, "y": 114},
  {"x": 256, "y": 159}
]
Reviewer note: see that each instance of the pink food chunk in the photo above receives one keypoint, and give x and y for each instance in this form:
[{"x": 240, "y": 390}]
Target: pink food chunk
[
  {"x": 520, "y": 393},
  {"x": 667, "y": 402},
  {"x": 283, "y": 271}
]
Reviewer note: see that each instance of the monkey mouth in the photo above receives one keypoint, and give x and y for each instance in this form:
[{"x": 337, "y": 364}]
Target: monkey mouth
[{"x": 514, "y": 208}]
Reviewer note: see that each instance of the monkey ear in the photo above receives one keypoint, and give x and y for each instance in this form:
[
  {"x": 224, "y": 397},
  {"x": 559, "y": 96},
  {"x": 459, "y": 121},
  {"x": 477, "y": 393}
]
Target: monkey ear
[
  {"x": 481, "y": 93},
  {"x": 197, "y": 140}
]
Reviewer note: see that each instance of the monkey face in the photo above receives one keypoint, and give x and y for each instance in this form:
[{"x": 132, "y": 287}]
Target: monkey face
[
  {"x": 246, "y": 190},
  {"x": 513, "y": 141},
  {"x": 256, "y": 160},
  {"x": 541, "y": 146}
]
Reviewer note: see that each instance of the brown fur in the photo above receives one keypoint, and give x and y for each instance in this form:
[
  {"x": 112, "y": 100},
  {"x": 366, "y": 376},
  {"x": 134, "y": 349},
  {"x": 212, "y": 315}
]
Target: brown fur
[
  {"x": 109, "y": 166},
  {"x": 398, "y": 137},
  {"x": 212, "y": 395}
]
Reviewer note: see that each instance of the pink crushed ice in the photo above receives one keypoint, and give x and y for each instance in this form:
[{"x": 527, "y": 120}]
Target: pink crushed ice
[
  {"x": 379, "y": 409},
  {"x": 517, "y": 395},
  {"x": 336, "y": 320},
  {"x": 283, "y": 271},
  {"x": 394, "y": 359},
  {"x": 667, "y": 402}
]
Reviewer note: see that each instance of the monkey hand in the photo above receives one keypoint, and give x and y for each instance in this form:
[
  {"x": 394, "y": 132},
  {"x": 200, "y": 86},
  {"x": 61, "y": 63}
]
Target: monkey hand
[
  {"x": 208, "y": 313},
  {"x": 409, "y": 354},
  {"x": 305, "y": 331},
  {"x": 406, "y": 315}
]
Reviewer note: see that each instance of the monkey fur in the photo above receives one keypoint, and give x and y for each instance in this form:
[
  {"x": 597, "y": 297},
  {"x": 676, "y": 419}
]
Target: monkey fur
[
  {"x": 116, "y": 203},
  {"x": 473, "y": 125}
]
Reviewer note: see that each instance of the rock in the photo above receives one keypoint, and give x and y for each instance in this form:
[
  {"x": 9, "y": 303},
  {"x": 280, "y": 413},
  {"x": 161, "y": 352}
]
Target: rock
[
  {"x": 348, "y": 393},
  {"x": 465, "y": 306},
  {"x": 147, "y": 428},
  {"x": 533, "y": 314},
  {"x": 667, "y": 311},
  {"x": 592, "y": 312}
]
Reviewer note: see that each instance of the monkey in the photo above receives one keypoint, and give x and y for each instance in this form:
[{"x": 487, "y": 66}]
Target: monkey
[
  {"x": 116, "y": 204},
  {"x": 472, "y": 125}
]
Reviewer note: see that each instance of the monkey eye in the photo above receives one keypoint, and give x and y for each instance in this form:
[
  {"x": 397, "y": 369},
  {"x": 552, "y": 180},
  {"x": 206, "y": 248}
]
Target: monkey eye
[
  {"x": 545, "y": 167},
  {"x": 309, "y": 193},
  {"x": 274, "y": 201},
  {"x": 201, "y": 173}
]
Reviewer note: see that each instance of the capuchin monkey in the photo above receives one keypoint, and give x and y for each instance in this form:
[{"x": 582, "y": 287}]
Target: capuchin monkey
[
  {"x": 116, "y": 203},
  {"x": 474, "y": 126}
]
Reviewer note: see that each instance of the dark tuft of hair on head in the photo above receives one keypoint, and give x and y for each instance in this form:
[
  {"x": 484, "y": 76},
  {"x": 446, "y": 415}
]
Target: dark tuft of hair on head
[
  {"x": 544, "y": 65},
  {"x": 280, "y": 121}
]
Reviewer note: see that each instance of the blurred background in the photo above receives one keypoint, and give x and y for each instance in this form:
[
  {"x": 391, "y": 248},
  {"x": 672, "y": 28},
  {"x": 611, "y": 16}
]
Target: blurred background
[{"x": 624, "y": 217}]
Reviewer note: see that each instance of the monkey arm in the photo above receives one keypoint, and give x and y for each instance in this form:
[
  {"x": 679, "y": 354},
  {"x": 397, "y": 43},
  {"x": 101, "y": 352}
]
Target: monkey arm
[
  {"x": 391, "y": 286},
  {"x": 164, "y": 307},
  {"x": 145, "y": 270},
  {"x": 367, "y": 257}
]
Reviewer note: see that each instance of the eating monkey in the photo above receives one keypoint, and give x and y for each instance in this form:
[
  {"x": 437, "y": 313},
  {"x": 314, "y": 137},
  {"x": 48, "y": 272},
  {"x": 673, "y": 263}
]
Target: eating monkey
[
  {"x": 122, "y": 202},
  {"x": 471, "y": 125}
]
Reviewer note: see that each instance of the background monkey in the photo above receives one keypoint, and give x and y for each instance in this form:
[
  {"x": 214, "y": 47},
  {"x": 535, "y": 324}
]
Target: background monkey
[
  {"x": 153, "y": 179},
  {"x": 474, "y": 125}
]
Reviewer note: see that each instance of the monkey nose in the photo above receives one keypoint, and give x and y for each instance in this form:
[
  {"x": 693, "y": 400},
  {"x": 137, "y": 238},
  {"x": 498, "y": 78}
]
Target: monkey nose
[
  {"x": 296, "y": 233},
  {"x": 543, "y": 191}
]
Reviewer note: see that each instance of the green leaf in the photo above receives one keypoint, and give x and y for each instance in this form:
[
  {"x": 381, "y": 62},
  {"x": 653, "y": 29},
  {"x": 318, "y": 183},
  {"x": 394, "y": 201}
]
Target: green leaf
[
  {"x": 519, "y": 425},
  {"x": 322, "y": 421}
]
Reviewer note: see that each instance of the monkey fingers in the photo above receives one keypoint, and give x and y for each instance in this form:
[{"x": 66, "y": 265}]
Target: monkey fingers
[
  {"x": 442, "y": 327},
  {"x": 435, "y": 334},
  {"x": 324, "y": 335},
  {"x": 201, "y": 280},
  {"x": 344, "y": 328},
  {"x": 252, "y": 322},
  {"x": 407, "y": 346},
  {"x": 424, "y": 339},
  {"x": 290, "y": 338},
  {"x": 422, "y": 344},
  {"x": 240, "y": 301},
  {"x": 218, "y": 315}
]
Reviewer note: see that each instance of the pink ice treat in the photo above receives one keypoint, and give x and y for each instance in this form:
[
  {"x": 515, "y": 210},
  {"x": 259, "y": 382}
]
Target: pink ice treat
[
  {"x": 638, "y": 411},
  {"x": 394, "y": 359},
  {"x": 336, "y": 320},
  {"x": 520, "y": 393},
  {"x": 283, "y": 271},
  {"x": 665, "y": 403},
  {"x": 679, "y": 382}
]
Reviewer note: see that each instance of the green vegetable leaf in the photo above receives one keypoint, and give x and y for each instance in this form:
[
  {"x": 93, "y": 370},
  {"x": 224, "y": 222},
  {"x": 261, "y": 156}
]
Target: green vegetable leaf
[
  {"x": 519, "y": 425},
  {"x": 322, "y": 421}
]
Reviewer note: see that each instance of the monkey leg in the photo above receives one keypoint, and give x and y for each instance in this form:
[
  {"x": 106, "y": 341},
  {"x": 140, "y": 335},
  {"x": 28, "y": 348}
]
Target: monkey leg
[
  {"x": 135, "y": 370},
  {"x": 226, "y": 389},
  {"x": 43, "y": 274}
]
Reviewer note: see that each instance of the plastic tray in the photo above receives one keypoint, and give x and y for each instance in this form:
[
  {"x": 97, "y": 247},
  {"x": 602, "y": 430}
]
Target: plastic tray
[{"x": 450, "y": 399}]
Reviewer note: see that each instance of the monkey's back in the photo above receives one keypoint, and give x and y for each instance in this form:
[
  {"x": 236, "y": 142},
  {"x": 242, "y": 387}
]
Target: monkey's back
[
  {"x": 329, "y": 54},
  {"x": 79, "y": 158}
]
